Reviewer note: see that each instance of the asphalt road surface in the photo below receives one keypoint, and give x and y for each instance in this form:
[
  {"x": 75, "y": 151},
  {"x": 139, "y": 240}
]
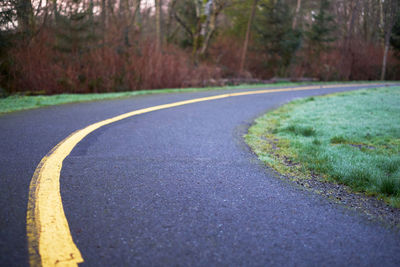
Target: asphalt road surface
[{"x": 178, "y": 187}]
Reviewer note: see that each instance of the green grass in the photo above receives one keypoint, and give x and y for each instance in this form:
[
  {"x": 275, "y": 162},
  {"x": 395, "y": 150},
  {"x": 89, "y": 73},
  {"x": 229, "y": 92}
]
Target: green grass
[
  {"x": 22, "y": 102},
  {"x": 351, "y": 138}
]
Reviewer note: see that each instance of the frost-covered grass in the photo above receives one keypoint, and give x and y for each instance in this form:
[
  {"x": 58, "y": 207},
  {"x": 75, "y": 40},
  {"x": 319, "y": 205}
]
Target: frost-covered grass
[{"x": 352, "y": 138}]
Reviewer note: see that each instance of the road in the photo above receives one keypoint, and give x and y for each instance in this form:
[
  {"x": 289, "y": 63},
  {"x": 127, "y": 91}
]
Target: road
[{"x": 178, "y": 187}]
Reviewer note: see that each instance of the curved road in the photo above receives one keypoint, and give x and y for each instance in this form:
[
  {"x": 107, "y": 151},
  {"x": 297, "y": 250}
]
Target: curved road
[{"x": 178, "y": 187}]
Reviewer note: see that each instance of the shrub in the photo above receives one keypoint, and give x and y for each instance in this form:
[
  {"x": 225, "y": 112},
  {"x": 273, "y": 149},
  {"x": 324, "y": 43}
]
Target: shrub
[{"x": 39, "y": 67}]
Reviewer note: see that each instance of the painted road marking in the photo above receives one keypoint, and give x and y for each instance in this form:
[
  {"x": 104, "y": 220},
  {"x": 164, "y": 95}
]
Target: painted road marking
[{"x": 49, "y": 238}]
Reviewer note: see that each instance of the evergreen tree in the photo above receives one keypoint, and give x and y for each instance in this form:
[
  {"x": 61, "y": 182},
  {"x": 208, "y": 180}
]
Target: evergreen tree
[
  {"x": 276, "y": 36},
  {"x": 75, "y": 36},
  {"x": 395, "y": 38},
  {"x": 320, "y": 34},
  {"x": 75, "y": 32}
]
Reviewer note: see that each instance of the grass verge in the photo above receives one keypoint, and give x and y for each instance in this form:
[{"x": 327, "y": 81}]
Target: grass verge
[
  {"x": 352, "y": 138},
  {"x": 23, "y": 102}
]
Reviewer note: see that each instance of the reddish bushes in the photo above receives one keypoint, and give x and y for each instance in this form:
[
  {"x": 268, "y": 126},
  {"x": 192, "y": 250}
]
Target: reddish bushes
[
  {"x": 40, "y": 68},
  {"x": 357, "y": 61},
  {"x": 226, "y": 53},
  {"x": 111, "y": 65}
]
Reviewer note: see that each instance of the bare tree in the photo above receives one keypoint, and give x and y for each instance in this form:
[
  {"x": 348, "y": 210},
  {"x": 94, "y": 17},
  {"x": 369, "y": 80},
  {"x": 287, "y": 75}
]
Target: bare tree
[
  {"x": 347, "y": 59},
  {"x": 25, "y": 16},
  {"x": 103, "y": 14},
  {"x": 246, "y": 40},
  {"x": 158, "y": 7},
  {"x": 137, "y": 12},
  {"x": 212, "y": 15},
  {"x": 201, "y": 26},
  {"x": 296, "y": 15}
]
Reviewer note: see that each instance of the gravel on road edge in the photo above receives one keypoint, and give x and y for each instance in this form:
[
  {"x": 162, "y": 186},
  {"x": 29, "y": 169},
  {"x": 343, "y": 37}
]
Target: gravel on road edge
[{"x": 373, "y": 208}]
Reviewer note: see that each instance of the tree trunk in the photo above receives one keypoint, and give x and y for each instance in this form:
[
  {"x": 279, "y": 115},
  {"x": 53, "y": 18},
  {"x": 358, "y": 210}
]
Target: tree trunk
[
  {"x": 25, "y": 17},
  {"x": 124, "y": 10},
  {"x": 381, "y": 15},
  {"x": 103, "y": 14},
  {"x": 201, "y": 29},
  {"x": 246, "y": 40},
  {"x": 209, "y": 31},
  {"x": 55, "y": 11},
  {"x": 110, "y": 11},
  {"x": 390, "y": 13},
  {"x": 158, "y": 24},
  {"x": 138, "y": 17},
  {"x": 385, "y": 53},
  {"x": 296, "y": 15},
  {"x": 347, "y": 58}
]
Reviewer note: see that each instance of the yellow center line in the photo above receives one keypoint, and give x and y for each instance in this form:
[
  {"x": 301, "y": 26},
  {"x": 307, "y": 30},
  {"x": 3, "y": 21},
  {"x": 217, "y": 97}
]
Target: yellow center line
[{"x": 49, "y": 239}]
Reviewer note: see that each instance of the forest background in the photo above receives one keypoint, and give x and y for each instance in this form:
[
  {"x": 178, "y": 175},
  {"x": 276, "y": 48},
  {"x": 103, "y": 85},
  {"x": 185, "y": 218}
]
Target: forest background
[{"x": 84, "y": 46}]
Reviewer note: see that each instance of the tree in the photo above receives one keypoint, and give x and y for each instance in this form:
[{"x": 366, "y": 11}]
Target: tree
[
  {"x": 395, "y": 37},
  {"x": 75, "y": 32},
  {"x": 296, "y": 15},
  {"x": 391, "y": 9},
  {"x": 8, "y": 14},
  {"x": 320, "y": 35},
  {"x": 275, "y": 35},
  {"x": 17, "y": 14},
  {"x": 198, "y": 19},
  {"x": 246, "y": 40},
  {"x": 158, "y": 6},
  {"x": 26, "y": 21}
]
